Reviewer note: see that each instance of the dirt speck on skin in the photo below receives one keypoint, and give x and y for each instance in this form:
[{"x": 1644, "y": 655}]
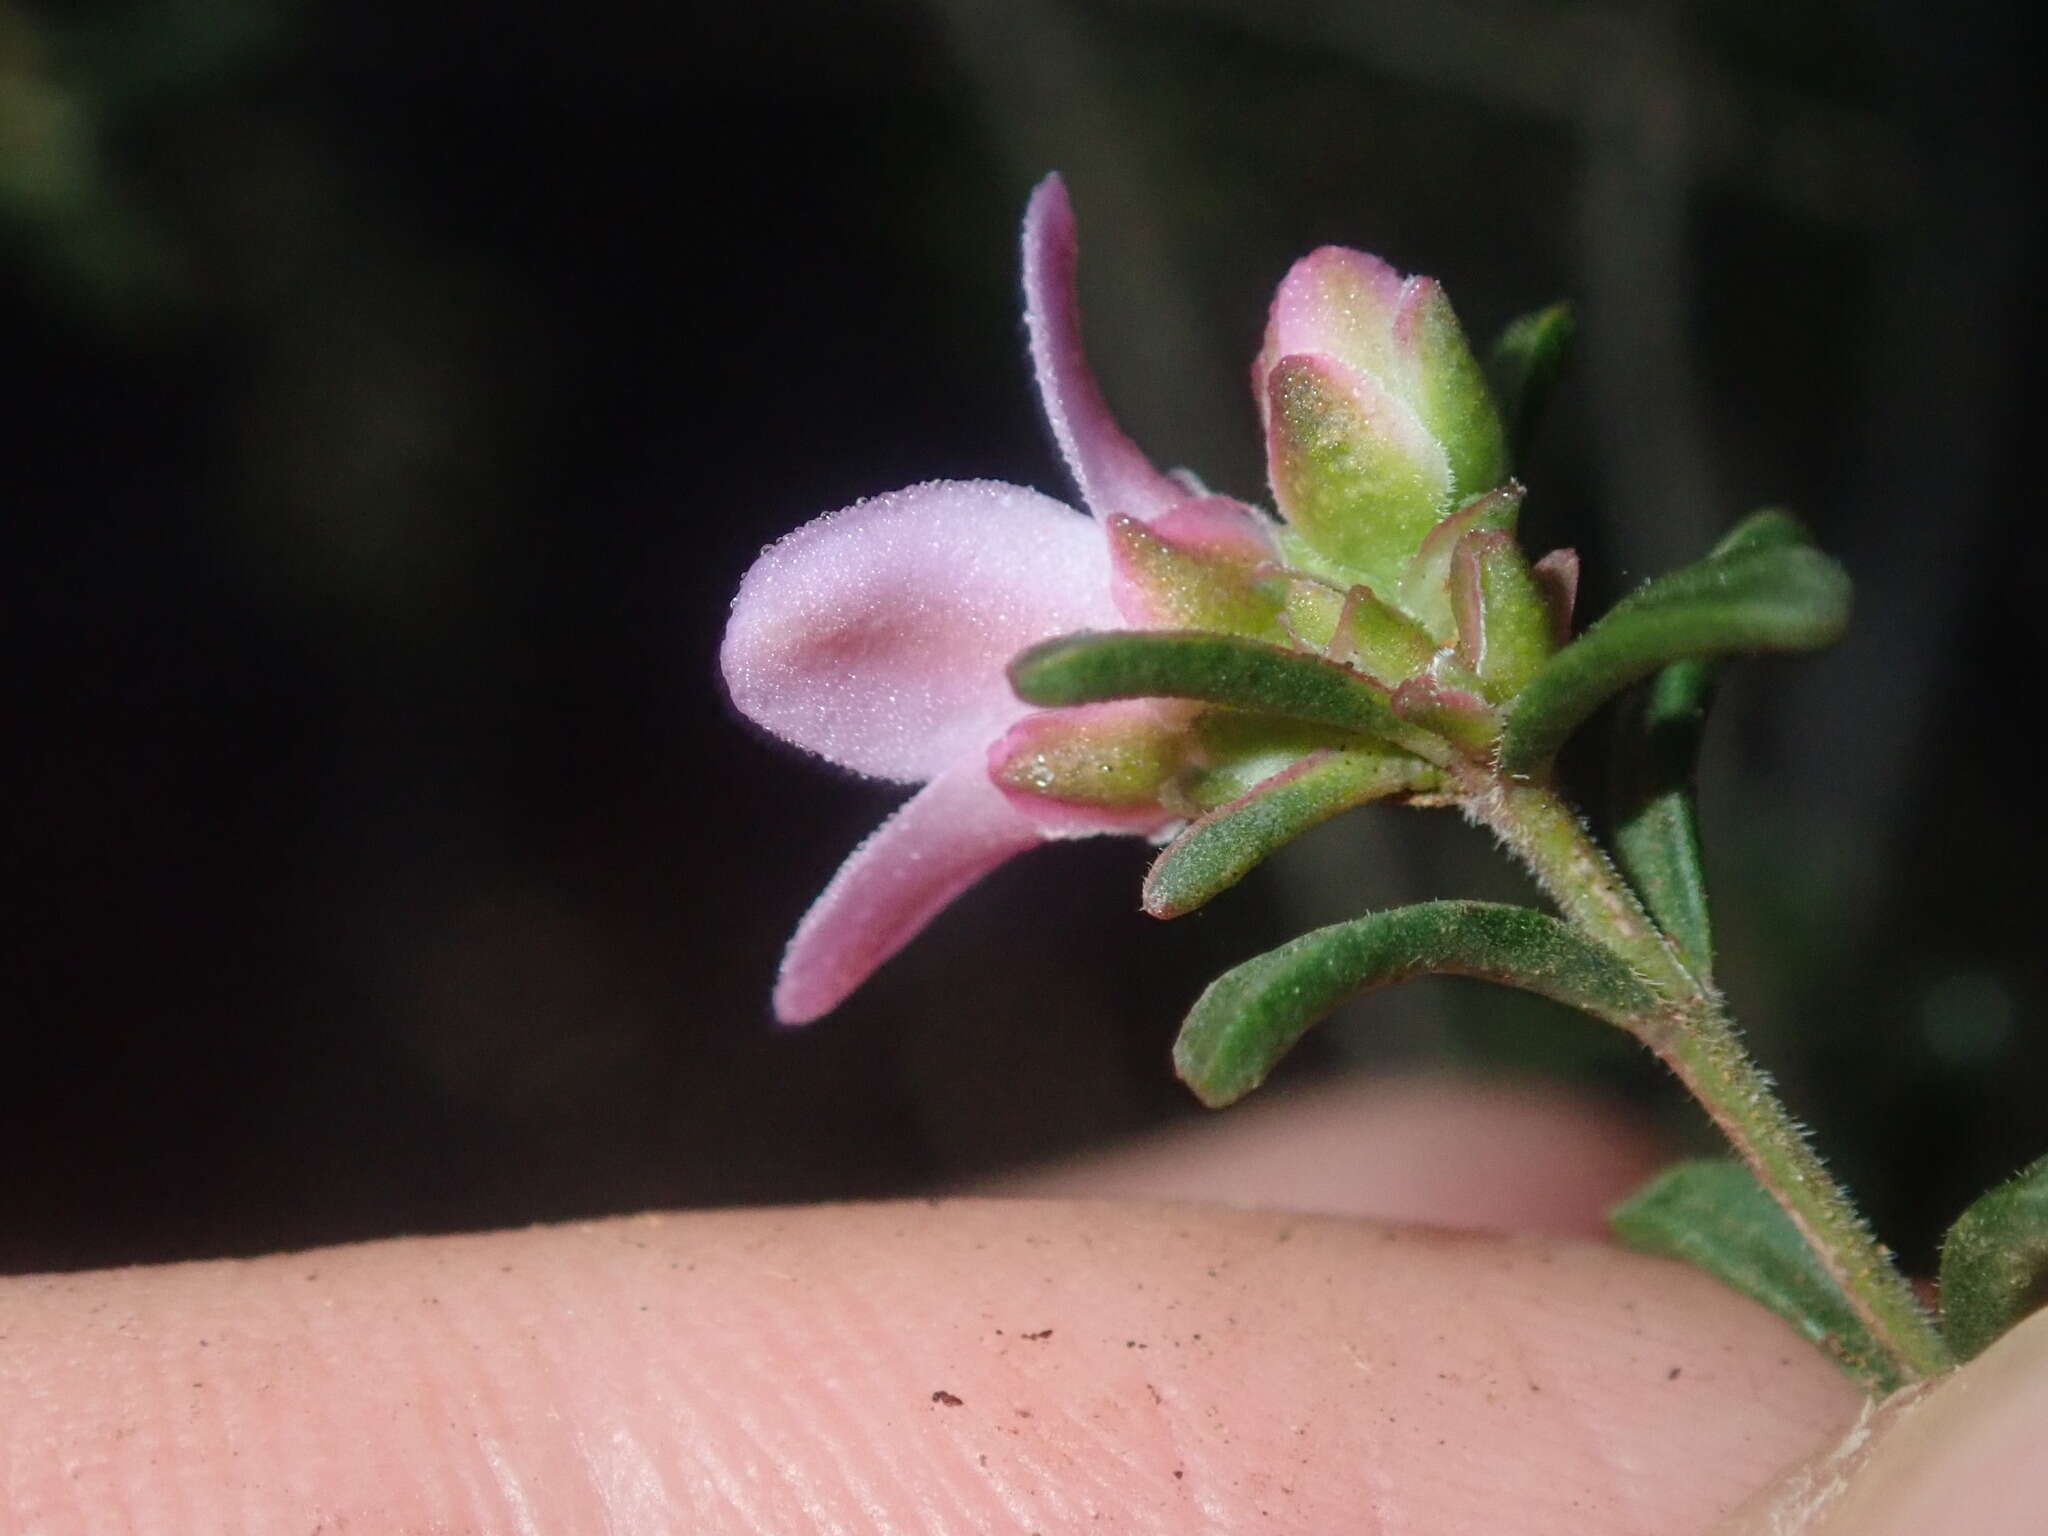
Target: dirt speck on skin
[
  {"x": 1674, "y": 1373},
  {"x": 1042, "y": 1334},
  {"x": 947, "y": 1399}
]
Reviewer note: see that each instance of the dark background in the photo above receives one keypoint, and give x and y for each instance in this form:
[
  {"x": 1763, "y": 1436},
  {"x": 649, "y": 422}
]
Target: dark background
[{"x": 393, "y": 398}]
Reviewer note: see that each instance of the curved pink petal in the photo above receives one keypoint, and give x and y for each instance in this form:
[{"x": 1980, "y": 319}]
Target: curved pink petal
[
  {"x": 940, "y": 841},
  {"x": 1114, "y": 476},
  {"x": 877, "y": 636}
]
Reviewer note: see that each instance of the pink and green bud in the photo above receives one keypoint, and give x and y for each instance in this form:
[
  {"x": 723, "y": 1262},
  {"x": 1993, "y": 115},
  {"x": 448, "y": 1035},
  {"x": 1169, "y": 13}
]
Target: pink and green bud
[
  {"x": 1207, "y": 564},
  {"x": 1378, "y": 419},
  {"x": 1094, "y": 768}
]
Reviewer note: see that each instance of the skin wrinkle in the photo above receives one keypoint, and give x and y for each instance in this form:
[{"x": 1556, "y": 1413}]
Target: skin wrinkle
[
  {"x": 1269, "y": 1410},
  {"x": 802, "y": 1331},
  {"x": 927, "y": 1470},
  {"x": 736, "y": 1479},
  {"x": 719, "y": 1483},
  {"x": 424, "y": 1347},
  {"x": 799, "y": 1388},
  {"x": 1573, "y": 1418},
  {"x": 1062, "y": 1488},
  {"x": 302, "y": 1311}
]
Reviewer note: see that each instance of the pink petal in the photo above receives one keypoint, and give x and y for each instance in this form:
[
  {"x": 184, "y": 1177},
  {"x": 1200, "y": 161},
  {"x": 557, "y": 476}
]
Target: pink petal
[
  {"x": 877, "y": 636},
  {"x": 1114, "y": 476},
  {"x": 1221, "y": 526},
  {"x": 943, "y": 839}
]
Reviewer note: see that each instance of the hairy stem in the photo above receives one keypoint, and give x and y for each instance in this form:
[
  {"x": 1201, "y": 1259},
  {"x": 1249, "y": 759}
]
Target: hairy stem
[
  {"x": 1706, "y": 1054},
  {"x": 1696, "y": 1039}
]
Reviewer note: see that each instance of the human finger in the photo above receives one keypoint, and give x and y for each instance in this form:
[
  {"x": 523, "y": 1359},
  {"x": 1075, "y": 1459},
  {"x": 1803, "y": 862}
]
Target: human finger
[
  {"x": 1966, "y": 1453},
  {"x": 992, "y": 1366}
]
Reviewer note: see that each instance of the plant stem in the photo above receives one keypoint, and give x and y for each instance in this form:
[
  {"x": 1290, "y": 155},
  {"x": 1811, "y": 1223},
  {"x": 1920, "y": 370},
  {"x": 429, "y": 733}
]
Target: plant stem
[
  {"x": 1706, "y": 1054},
  {"x": 1696, "y": 1039}
]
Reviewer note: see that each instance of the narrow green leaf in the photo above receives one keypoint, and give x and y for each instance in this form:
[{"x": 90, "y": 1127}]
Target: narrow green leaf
[
  {"x": 1657, "y": 746},
  {"x": 1994, "y": 1262},
  {"x": 1714, "y": 1214},
  {"x": 1231, "y": 841},
  {"x": 1251, "y": 1016},
  {"x": 1783, "y": 598},
  {"x": 1656, "y": 828},
  {"x": 1088, "y": 668},
  {"x": 1765, "y": 528},
  {"x": 1523, "y": 369}
]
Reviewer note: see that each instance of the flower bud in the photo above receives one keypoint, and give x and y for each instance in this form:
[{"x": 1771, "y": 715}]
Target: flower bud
[
  {"x": 1378, "y": 419},
  {"x": 1093, "y": 767},
  {"x": 1207, "y": 564}
]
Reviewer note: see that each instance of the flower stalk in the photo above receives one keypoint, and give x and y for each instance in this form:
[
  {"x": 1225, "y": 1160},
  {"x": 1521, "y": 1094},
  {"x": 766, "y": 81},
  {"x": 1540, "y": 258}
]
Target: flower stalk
[{"x": 1692, "y": 1034}]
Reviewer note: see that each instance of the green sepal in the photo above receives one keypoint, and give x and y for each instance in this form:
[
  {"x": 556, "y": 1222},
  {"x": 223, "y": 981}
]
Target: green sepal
[
  {"x": 1657, "y": 745},
  {"x": 1378, "y": 638},
  {"x": 1088, "y": 668},
  {"x": 1230, "y": 842},
  {"x": 1233, "y": 753},
  {"x": 1523, "y": 368},
  {"x": 1714, "y": 1215},
  {"x": 1450, "y": 706},
  {"x": 1994, "y": 1262},
  {"x": 1506, "y": 627},
  {"x": 1425, "y": 591},
  {"x": 1252, "y": 1015},
  {"x": 1783, "y": 598}
]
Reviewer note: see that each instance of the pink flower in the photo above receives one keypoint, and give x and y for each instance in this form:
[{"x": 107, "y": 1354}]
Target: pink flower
[{"x": 877, "y": 637}]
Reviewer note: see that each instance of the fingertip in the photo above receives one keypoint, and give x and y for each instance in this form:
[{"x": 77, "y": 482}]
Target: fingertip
[{"x": 1968, "y": 1452}]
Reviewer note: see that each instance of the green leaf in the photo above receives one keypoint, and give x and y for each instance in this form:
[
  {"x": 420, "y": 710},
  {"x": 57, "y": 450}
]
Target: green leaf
[
  {"x": 1656, "y": 829},
  {"x": 1524, "y": 367},
  {"x": 1231, "y": 841},
  {"x": 1765, "y": 528},
  {"x": 1657, "y": 745},
  {"x": 1994, "y": 1262},
  {"x": 1251, "y": 1016},
  {"x": 1088, "y": 668},
  {"x": 1783, "y": 598},
  {"x": 1714, "y": 1214}
]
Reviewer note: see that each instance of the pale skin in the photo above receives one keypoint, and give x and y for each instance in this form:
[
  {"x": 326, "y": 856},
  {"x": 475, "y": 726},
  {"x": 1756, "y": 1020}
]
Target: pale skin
[{"x": 1000, "y": 1365}]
